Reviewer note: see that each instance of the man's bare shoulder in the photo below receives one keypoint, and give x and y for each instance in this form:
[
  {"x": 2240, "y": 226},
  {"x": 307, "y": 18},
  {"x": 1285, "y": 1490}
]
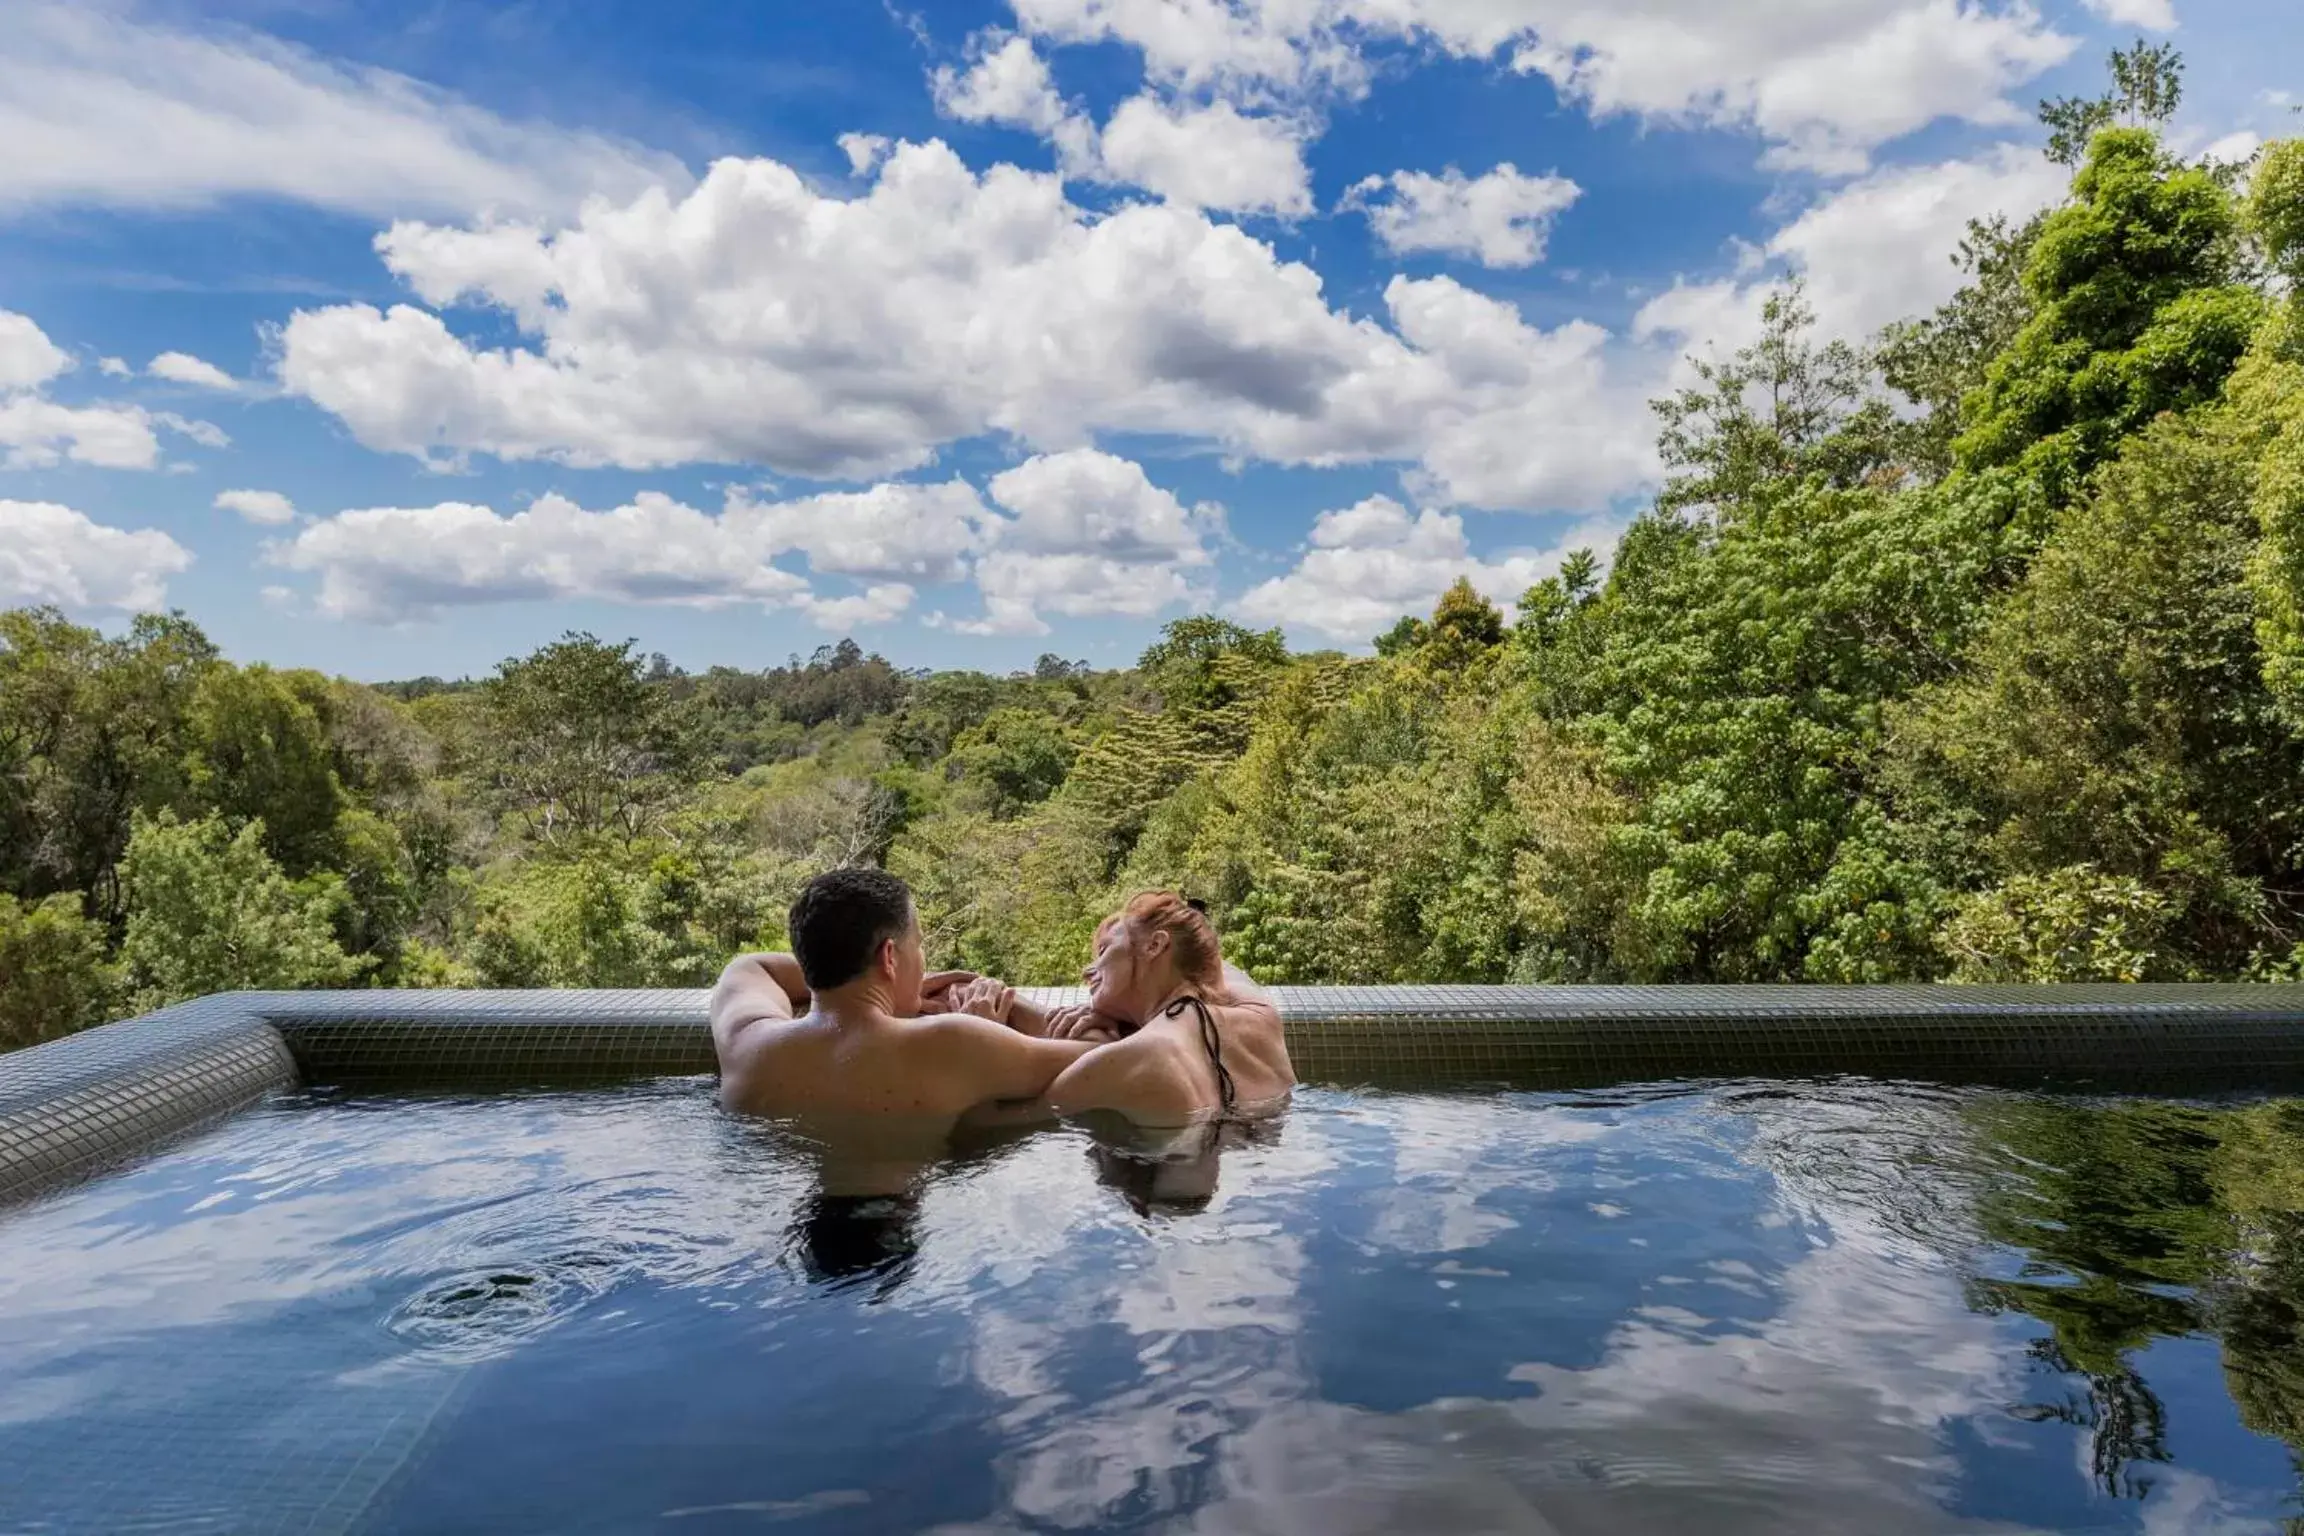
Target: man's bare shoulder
[{"x": 955, "y": 1035}]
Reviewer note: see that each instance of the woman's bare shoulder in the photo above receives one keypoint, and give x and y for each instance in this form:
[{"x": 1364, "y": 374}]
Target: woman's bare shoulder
[{"x": 1143, "y": 1074}]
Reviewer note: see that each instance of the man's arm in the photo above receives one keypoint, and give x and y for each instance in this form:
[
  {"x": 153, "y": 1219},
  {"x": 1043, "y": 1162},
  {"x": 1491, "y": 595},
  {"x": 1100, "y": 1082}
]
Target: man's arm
[
  {"x": 996, "y": 1062},
  {"x": 756, "y": 987},
  {"x": 1029, "y": 1018}
]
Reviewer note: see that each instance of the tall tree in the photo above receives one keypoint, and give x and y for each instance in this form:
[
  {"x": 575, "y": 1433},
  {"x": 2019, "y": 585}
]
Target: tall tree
[
  {"x": 1938, "y": 361},
  {"x": 580, "y": 743},
  {"x": 2147, "y": 87},
  {"x": 2111, "y": 746},
  {"x": 1777, "y": 412},
  {"x": 2136, "y": 310},
  {"x": 258, "y": 749},
  {"x": 209, "y": 911},
  {"x": 91, "y": 731},
  {"x": 1182, "y": 665}
]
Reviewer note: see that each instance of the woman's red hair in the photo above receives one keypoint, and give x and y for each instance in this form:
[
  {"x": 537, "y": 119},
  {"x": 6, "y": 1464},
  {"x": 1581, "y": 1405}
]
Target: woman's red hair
[{"x": 1191, "y": 938}]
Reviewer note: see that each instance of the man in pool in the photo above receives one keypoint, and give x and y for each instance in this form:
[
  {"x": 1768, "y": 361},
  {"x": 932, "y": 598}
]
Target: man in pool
[{"x": 865, "y": 1048}]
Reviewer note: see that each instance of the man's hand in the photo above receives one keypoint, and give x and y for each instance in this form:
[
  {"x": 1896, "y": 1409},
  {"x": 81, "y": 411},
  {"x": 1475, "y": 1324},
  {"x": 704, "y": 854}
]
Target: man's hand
[
  {"x": 1076, "y": 1023},
  {"x": 936, "y": 989},
  {"x": 983, "y": 997}
]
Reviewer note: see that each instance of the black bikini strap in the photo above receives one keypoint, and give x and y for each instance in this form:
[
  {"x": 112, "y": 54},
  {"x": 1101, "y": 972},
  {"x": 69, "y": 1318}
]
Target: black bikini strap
[{"x": 1212, "y": 1042}]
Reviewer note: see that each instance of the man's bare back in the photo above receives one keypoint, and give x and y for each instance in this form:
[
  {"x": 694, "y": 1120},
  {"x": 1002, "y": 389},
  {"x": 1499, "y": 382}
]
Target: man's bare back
[
  {"x": 849, "y": 1061},
  {"x": 863, "y": 1047}
]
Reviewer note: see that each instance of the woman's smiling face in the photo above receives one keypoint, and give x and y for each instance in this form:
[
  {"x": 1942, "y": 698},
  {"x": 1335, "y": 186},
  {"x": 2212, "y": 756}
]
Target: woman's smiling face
[
  {"x": 1107, "y": 971},
  {"x": 1118, "y": 975}
]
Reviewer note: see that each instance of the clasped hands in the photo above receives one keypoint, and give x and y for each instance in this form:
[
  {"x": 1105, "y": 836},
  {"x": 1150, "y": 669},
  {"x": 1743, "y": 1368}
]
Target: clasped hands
[{"x": 989, "y": 998}]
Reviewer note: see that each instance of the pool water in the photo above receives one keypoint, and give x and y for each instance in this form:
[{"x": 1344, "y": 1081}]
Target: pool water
[{"x": 1724, "y": 1308}]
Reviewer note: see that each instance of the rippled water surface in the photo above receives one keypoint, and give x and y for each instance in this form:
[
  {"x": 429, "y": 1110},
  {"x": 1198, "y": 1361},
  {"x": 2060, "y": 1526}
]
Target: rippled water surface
[{"x": 1739, "y": 1308}]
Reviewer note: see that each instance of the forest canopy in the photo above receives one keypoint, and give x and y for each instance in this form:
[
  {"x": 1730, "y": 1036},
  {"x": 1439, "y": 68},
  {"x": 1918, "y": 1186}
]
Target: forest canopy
[{"x": 1973, "y": 653}]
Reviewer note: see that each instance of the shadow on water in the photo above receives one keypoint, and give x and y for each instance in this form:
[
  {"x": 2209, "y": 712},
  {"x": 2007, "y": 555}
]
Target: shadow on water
[
  {"x": 1172, "y": 1172},
  {"x": 858, "y": 1226}
]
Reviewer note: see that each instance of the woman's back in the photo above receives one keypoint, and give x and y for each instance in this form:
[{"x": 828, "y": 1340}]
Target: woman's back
[{"x": 1194, "y": 1059}]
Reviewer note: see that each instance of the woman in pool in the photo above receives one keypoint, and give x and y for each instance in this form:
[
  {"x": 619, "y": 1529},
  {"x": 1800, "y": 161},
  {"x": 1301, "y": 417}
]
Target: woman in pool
[{"x": 1195, "y": 1038}]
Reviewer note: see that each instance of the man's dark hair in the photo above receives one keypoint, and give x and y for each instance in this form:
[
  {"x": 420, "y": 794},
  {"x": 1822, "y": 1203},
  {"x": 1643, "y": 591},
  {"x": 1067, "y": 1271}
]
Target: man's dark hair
[{"x": 842, "y": 918}]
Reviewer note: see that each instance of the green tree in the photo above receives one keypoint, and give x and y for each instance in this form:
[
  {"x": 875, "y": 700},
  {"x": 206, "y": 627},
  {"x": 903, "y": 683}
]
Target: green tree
[
  {"x": 210, "y": 911},
  {"x": 1738, "y": 704},
  {"x": 2071, "y": 924},
  {"x": 257, "y": 749},
  {"x": 1015, "y": 757},
  {"x": 2275, "y": 207},
  {"x": 568, "y": 922},
  {"x": 1405, "y": 635},
  {"x": 1937, "y": 362},
  {"x": 2112, "y": 724},
  {"x": 2136, "y": 311},
  {"x": 939, "y": 710},
  {"x": 580, "y": 743},
  {"x": 54, "y": 977},
  {"x": 2147, "y": 87},
  {"x": 1465, "y": 627},
  {"x": 2267, "y": 393},
  {"x": 1183, "y": 664},
  {"x": 91, "y": 731},
  {"x": 1777, "y": 412}
]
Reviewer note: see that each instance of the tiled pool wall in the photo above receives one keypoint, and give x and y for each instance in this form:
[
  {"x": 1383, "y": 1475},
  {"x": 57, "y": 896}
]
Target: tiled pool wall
[{"x": 77, "y": 1104}]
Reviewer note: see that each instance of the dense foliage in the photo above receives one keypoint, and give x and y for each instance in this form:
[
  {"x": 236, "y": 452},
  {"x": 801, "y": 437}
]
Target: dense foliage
[{"x": 1975, "y": 654}]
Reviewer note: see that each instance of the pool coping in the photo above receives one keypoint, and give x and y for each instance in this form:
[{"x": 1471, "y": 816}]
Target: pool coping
[{"x": 75, "y": 1105}]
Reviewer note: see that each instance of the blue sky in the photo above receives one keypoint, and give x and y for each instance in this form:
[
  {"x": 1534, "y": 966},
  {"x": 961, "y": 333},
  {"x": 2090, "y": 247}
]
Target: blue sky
[{"x": 395, "y": 340}]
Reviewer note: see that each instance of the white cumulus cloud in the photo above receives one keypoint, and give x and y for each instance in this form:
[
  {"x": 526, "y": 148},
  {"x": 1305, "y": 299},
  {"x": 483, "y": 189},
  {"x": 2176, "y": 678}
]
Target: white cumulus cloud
[
  {"x": 268, "y": 507},
  {"x": 1075, "y": 533},
  {"x": 1087, "y": 502},
  {"x": 758, "y": 321},
  {"x": 1008, "y": 83},
  {"x": 1211, "y": 156},
  {"x": 1372, "y": 563},
  {"x": 396, "y": 564},
  {"x": 1088, "y": 534},
  {"x": 54, "y": 554},
  {"x": 864, "y": 150},
  {"x": 37, "y": 432},
  {"x": 28, "y": 359},
  {"x": 2151, "y": 15},
  {"x": 1202, "y": 155},
  {"x": 184, "y": 368},
  {"x": 103, "y": 107},
  {"x": 881, "y": 603},
  {"x": 1500, "y": 219},
  {"x": 1244, "y": 49},
  {"x": 1822, "y": 84},
  {"x": 1019, "y": 589},
  {"x": 1875, "y": 250},
  {"x": 895, "y": 533}
]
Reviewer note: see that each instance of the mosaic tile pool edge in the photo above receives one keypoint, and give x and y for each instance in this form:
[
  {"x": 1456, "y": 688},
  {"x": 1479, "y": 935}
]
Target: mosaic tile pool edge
[{"x": 79, "y": 1103}]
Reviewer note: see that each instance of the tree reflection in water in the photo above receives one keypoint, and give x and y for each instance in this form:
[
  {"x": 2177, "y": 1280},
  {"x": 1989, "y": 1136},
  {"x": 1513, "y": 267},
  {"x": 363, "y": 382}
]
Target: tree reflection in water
[{"x": 2134, "y": 1221}]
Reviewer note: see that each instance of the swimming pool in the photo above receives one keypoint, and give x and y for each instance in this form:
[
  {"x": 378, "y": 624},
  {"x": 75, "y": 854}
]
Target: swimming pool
[{"x": 1726, "y": 1307}]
